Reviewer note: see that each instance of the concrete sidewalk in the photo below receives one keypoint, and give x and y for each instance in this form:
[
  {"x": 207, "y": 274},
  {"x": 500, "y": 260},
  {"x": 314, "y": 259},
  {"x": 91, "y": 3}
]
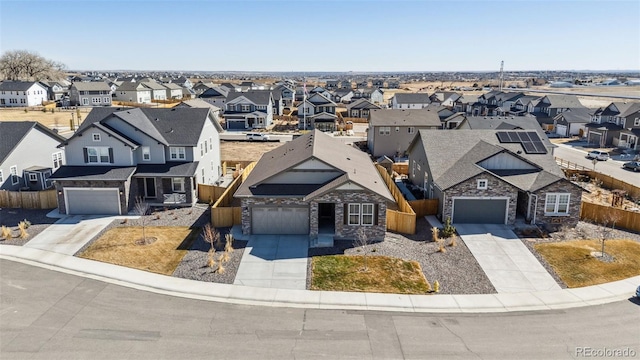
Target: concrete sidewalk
[
  {"x": 509, "y": 265},
  {"x": 235, "y": 294}
]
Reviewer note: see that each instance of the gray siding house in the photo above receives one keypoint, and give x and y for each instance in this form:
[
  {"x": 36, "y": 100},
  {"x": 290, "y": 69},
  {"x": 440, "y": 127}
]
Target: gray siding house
[
  {"x": 93, "y": 93},
  {"x": 392, "y": 130},
  {"x": 485, "y": 176},
  {"x": 118, "y": 155},
  {"x": 252, "y": 109},
  {"x": 29, "y": 153},
  {"x": 315, "y": 185}
]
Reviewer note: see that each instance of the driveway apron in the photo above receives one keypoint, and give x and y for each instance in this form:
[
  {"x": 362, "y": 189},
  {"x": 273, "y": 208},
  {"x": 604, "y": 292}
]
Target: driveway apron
[
  {"x": 69, "y": 234},
  {"x": 508, "y": 263},
  {"x": 274, "y": 261}
]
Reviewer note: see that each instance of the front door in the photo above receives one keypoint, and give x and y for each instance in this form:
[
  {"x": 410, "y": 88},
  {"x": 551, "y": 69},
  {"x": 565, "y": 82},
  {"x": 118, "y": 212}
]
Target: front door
[{"x": 149, "y": 187}]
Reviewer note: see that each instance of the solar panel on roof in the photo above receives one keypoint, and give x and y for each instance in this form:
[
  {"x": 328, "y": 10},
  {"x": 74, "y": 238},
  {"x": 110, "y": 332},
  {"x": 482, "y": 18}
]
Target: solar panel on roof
[
  {"x": 503, "y": 136},
  {"x": 523, "y": 136},
  {"x": 534, "y": 136},
  {"x": 528, "y": 147},
  {"x": 514, "y": 136}
]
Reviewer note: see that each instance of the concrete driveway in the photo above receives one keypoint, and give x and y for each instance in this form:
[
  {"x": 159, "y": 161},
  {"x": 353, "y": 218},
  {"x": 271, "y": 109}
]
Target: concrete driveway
[
  {"x": 509, "y": 265},
  {"x": 69, "y": 234},
  {"x": 274, "y": 261}
]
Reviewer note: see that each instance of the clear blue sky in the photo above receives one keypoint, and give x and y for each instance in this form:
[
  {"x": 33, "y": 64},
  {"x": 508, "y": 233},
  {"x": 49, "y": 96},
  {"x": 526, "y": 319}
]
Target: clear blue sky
[{"x": 327, "y": 35}]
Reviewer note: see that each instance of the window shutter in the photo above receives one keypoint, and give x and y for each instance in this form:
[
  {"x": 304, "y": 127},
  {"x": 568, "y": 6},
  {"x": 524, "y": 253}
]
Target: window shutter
[
  {"x": 345, "y": 214},
  {"x": 111, "y": 155},
  {"x": 86, "y": 155},
  {"x": 375, "y": 214}
]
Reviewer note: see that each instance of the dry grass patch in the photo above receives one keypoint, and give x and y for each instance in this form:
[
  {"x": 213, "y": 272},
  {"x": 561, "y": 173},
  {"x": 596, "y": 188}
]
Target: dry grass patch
[
  {"x": 122, "y": 246},
  {"x": 573, "y": 262},
  {"x": 384, "y": 275}
]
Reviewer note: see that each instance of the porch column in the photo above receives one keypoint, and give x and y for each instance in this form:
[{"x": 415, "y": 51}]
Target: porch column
[{"x": 313, "y": 219}]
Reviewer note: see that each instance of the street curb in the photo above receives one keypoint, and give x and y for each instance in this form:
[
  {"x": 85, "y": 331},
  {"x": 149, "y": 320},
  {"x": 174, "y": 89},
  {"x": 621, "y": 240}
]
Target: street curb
[{"x": 245, "y": 295}]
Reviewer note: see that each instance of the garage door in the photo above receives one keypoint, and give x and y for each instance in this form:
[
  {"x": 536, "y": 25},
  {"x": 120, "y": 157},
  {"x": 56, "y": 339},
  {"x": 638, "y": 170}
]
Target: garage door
[
  {"x": 235, "y": 125},
  {"x": 479, "y": 211},
  {"x": 561, "y": 130},
  {"x": 92, "y": 201},
  {"x": 280, "y": 220}
]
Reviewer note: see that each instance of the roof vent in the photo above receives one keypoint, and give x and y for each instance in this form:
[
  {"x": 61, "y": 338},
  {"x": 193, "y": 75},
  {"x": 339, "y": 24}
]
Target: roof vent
[
  {"x": 348, "y": 158},
  {"x": 157, "y": 119}
]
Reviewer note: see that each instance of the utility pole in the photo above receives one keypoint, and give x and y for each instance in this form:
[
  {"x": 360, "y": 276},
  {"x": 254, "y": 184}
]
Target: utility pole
[{"x": 501, "y": 74}]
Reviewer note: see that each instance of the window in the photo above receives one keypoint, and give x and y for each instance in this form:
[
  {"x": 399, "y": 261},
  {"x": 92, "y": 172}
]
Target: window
[
  {"x": 483, "y": 184},
  {"x": 14, "y": 174},
  {"x": 411, "y": 130},
  {"x": 397, "y": 128},
  {"x": 33, "y": 177},
  {"x": 206, "y": 148},
  {"x": 146, "y": 153},
  {"x": 202, "y": 182},
  {"x": 367, "y": 214},
  {"x": 384, "y": 130},
  {"x": 556, "y": 204},
  {"x": 57, "y": 159},
  {"x": 85, "y": 101},
  {"x": 210, "y": 144},
  {"x": 95, "y": 100},
  {"x": 98, "y": 155},
  {"x": 231, "y": 107},
  {"x": 354, "y": 214},
  {"x": 106, "y": 100},
  {"x": 95, "y": 137},
  {"x": 177, "y": 153},
  {"x": 201, "y": 149},
  {"x": 1, "y": 178},
  {"x": 413, "y": 169},
  {"x": 246, "y": 108},
  {"x": 636, "y": 122},
  {"x": 177, "y": 184}
]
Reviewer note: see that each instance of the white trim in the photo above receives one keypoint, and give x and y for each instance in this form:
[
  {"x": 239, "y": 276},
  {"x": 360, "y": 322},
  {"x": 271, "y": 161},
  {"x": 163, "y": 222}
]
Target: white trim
[
  {"x": 173, "y": 183},
  {"x": 177, "y": 153},
  {"x": 66, "y": 198},
  {"x": 14, "y": 174},
  {"x": 146, "y": 150},
  {"x": 482, "y": 187},
  {"x": 1, "y": 178},
  {"x": 94, "y": 138},
  {"x": 506, "y": 213},
  {"x": 349, "y": 213},
  {"x": 33, "y": 176},
  {"x": 556, "y": 204}
]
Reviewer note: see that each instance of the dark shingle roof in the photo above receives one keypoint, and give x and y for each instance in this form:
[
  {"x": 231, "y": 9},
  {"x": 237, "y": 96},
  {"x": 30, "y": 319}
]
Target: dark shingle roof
[
  {"x": 526, "y": 122},
  {"x": 453, "y": 158},
  {"x": 16, "y": 85},
  {"x": 91, "y": 86},
  {"x": 354, "y": 164},
  {"x": 258, "y": 97},
  {"x": 404, "y": 117},
  {"x": 171, "y": 169},
  {"x": 412, "y": 98},
  {"x": 578, "y": 115},
  {"x": 117, "y": 173},
  {"x": 12, "y": 133},
  {"x": 362, "y": 104}
]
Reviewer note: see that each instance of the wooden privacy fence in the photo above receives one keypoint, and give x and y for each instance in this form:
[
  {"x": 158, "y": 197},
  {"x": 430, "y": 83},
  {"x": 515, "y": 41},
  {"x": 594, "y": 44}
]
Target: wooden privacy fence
[
  {"x": 47, "y": 199},
  {"x": 401, "y": 168},
  {"x": 424, "y": 207},
  {"x": 628, "y": 220},
  {"x": 608, "y": 182},
  {"x": 402, "y": 220},
  {"x": 209, "y": 193},
  {"x": 222, "y": 213}
]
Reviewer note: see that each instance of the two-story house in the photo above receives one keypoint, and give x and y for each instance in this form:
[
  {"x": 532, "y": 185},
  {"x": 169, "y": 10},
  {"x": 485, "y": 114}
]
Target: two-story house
[
  {"x": 286, "y": 93},
  {"x": 252, "y": 109},
  {"x": 410, "y": 101},
  {"x": 445, "y": 98},
  {"x": 630, "y": 133},
  {"x": 345, "y": 84},
  {"x": 332, "y": 84},
  {"x": 93, "y": 93},
  {"x": 118, "y": 155},
  {"x": 493, "y": 176},
  {"x": 342, "y": 95},
  {"x": 375, "y": 95},
  {"x": 317, "y": 112},
  {"x": 552, "y": 105},
  {"x": 391, "y": 130},
  {"x": 606, "y": 124},
  {"x": 29, "y": 153},
  {"x": 133, "y": 92},
  {"x": 174, "y": 91},
  {"x": 572, "y": 122},
  {"x": 216, "y": 96},
  {"x": 158, "y": 91},
  {"x": 360, "y": 109},
  {"x": 200, "y": 87},
  {"x": 393, "y": 84},
  {"x": 22, "y": 93}
]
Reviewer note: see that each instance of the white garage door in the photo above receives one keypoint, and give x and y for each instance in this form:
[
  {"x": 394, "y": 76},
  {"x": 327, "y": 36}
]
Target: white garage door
[
  {"x": 92, "y": 201},
  {"x": 280, "y": 220},
  {"x": 561, "y": 130},
  {"x": 479, "y": 211}
]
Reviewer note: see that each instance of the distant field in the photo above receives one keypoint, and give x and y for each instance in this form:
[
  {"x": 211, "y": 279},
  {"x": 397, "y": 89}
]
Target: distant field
[{"x": 58, "y": 119}]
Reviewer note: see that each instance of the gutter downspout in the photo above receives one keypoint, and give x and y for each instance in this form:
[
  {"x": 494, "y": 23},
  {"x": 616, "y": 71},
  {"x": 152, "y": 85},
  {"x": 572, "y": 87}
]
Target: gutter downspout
[{"x": 535, "y": 207}]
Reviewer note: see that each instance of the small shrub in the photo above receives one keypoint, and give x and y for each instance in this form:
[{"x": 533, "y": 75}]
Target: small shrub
[
  {"x": 26, "y": 111},
  {"x": 23, "y": 229},
  {"x": 6, "y": 232},
  {"x": 221, "y": 269},
  {"x": 448, "y": 230},
  {"x": 27, "y": 223},
  {"x": 436, "y": 286},
  {"x": 44, "y": 110},
  {"x": 228, "y": 243},
  {"x": 224, "y": 257},
  {"x": 157, "y": 216},
  {"x": 435, "y": 234},
  {"x": 453, "y": 242},
  {"x": 124, "y": 221}
]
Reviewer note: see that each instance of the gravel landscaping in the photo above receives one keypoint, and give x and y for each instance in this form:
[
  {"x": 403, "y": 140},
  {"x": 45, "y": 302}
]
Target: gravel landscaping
[
  {"x": 584, "y": 230},
  {"x": 11, "y": 218},
  {"x": 456, "y": 270}
]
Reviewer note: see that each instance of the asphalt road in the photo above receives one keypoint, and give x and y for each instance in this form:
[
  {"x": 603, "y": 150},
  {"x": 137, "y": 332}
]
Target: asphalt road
[
  {"x": 609, "y": 167},
  {"x": 50, "y": 315}
]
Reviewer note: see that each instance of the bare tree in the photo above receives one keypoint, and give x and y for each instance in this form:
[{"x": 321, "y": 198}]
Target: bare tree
[
  {"x": 29, "y": 66},
  {"x": 211, "y": 236},
  {"x": 606, "y": 229},
  {"x": 362, "y": 240},
  {"x": 142, "y": 208}
]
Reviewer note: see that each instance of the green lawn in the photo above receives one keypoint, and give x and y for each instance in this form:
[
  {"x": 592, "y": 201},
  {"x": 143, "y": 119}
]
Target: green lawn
[{"x": 384, "y": 275}]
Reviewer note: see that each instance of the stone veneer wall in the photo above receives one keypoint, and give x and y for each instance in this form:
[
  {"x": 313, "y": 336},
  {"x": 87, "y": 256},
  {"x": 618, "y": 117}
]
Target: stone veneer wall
[
  {"x": 339, "y": 198},
  {"x": 469, "y": 188},
  {"x": 123, "y": 187},
  {"x": 575, "y": 202}
]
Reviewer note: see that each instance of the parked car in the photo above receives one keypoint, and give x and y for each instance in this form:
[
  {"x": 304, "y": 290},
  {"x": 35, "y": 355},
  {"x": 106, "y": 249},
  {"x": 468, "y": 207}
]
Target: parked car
[
  {"x": 257, "y": 137},
  {"x": 599, "y": 155},
  {"x": 638, "y": 292},
  {"x": 632, "y": 165}
]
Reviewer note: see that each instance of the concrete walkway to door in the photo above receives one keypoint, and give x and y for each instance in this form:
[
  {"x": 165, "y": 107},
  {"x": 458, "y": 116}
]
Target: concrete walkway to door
[
  {"x": 509, "y": 265},
  {"x": 274, "y": 261}
]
